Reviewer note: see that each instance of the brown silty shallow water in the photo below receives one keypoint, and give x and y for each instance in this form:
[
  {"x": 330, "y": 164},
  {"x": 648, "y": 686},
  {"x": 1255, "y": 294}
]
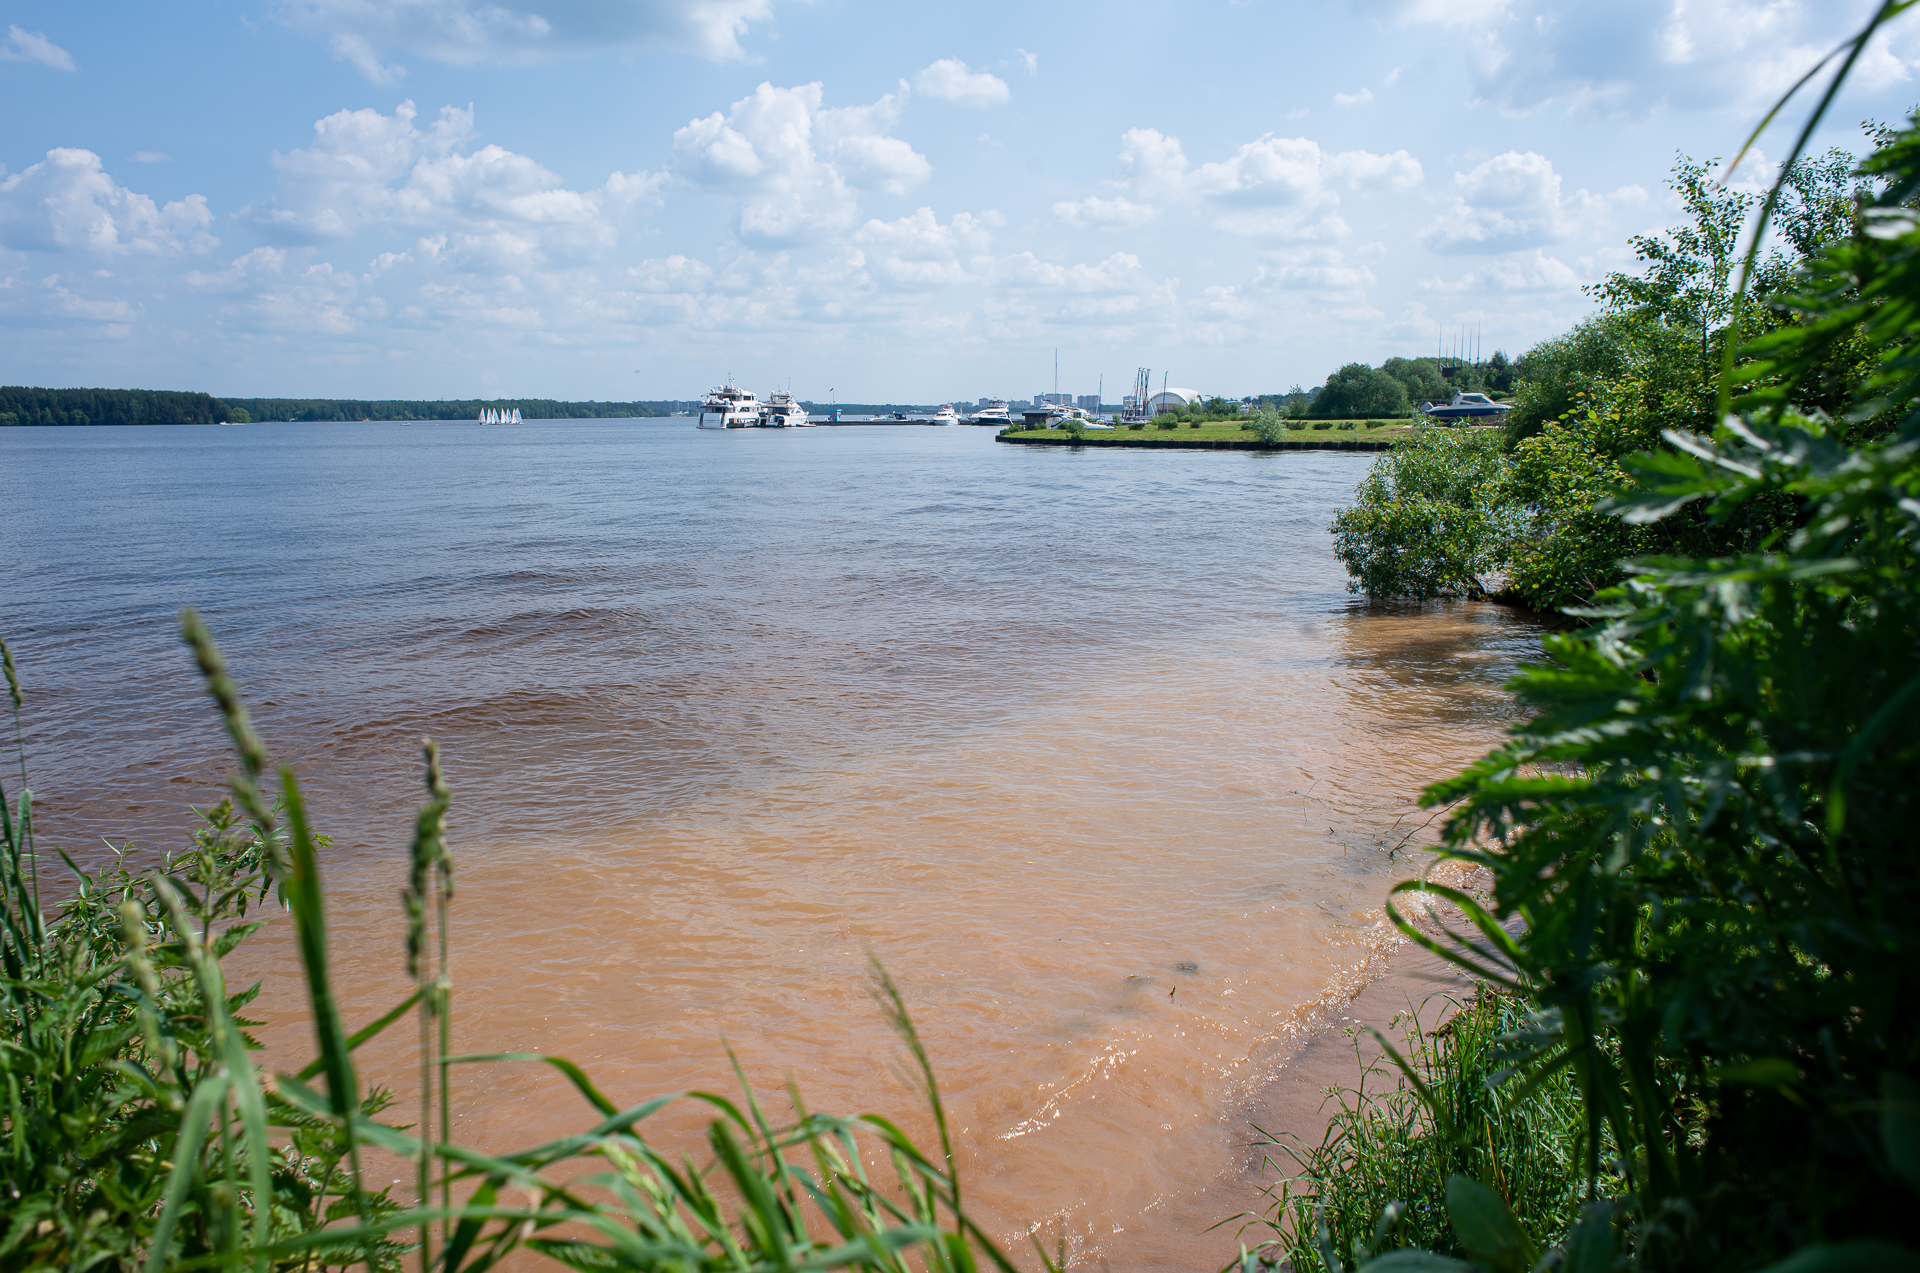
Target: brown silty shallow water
[{"x": 1091, "y": 751}]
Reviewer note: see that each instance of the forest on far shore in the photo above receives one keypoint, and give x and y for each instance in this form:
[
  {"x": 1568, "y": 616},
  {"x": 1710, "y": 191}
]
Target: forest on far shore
[{"x": 20, "y": 405}]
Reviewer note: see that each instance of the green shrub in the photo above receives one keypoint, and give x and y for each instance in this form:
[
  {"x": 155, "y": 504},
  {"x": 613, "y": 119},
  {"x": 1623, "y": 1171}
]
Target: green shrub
[
  {"x": 1429, "y": 519},
  {"x": 1167, "y": 421},
  {"x": 1268, "y": 426},
  {"x": 1137, "y": 425}
]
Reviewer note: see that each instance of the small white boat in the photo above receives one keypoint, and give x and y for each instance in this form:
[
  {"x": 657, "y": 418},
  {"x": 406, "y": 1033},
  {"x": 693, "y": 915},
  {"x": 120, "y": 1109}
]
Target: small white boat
[
  {"x": 784, "y": 413},
  {"x": 946, "y": 415},
  {"x": 729, "y": 407},
  {"x": 993, "y": 412},
  {"x": 1468, "y": 406}
]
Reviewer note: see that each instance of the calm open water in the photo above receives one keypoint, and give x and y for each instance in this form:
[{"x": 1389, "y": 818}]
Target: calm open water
[{"x": 1091, "y": 748}]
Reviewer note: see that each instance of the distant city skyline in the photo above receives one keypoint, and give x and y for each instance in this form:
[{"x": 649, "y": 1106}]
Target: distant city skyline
[{"x": 625, "y": 200}]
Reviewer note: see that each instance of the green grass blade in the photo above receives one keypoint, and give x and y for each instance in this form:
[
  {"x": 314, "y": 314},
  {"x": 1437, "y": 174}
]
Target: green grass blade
[
  {"x": 208, "y": 1095},
  {"x": 365, "y": 1032}
]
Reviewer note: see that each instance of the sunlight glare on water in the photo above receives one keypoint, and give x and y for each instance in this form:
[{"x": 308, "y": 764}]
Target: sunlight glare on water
[{"x": 1091, "y": 749}]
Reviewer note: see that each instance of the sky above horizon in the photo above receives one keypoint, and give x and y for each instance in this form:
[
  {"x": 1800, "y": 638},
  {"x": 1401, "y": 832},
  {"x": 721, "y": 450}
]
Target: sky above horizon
[{"x": 634, "y": 199}]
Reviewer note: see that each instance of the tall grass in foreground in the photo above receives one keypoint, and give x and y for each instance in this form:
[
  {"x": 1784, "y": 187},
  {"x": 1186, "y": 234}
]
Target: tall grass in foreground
[
  {"x": 138, "y": 1133},
  {"x": 1448, "y": 1107}
]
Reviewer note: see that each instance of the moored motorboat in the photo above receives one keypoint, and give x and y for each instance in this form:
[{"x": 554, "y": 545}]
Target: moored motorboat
[
  {"x": 946, "y": 415},
  {"x": 992, "y": 411},
  {"x": 729, "y": 407},
  {"x": 1468, "y": 406},
  {"x": 784, "y": 413}
]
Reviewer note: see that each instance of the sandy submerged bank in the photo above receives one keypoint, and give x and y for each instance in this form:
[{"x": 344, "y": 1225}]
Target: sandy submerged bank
[{"x": 1307, "y": 1076}]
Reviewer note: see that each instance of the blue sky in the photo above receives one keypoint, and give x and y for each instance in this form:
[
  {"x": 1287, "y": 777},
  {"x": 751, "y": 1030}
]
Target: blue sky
[{"x": 624, "y": 199}]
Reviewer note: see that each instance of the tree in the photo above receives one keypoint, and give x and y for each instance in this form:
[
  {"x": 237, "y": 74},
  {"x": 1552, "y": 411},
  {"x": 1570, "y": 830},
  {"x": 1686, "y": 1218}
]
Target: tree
[
  {"x": 1358, "y": 391},
  {"x": 1429, "y": 519},
  {"x": 1421, "y": 376},
  {"x": 1499, "y": 372}
]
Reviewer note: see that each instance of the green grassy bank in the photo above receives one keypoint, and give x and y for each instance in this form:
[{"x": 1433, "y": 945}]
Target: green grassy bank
[{"x": 1237, "y": 431}]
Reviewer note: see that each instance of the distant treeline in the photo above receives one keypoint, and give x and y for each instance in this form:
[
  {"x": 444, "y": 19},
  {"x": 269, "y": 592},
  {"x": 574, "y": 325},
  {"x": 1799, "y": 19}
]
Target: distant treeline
[
  {"x": 21, "y": 405},
  {"x": 324, "y": 409}
]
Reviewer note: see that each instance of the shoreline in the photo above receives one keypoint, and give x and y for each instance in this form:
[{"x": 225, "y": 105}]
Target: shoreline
[
  {"x": 1290, "y": 1110},
  {"x": 1200, "y": 444}
]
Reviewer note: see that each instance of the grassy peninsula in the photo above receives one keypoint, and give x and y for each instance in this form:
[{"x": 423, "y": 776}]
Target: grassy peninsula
[{"x": 1238, "y": 430}]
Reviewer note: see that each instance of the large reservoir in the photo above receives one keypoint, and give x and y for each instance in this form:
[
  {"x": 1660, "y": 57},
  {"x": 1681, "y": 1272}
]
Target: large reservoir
[{"x": 1092, "y": 750}]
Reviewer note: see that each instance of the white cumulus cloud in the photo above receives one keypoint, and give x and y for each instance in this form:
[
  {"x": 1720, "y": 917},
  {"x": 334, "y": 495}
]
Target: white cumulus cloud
[
  {"x": 492, "y": 209},
  {"x": 1361, "y": 98},
  {"x": 1634, "y": 56},
  {"x": 950, "y": 80},
  {"x": 1533, "y": 271},
  {"x": 68, "y": 203},
  {"x": 1512, "y": 202},
  {"x": 1094, "y": 212},
  {"x": 466, "y": 32},
  {"x": 34, "y": 46},
  {"x": 917, "y": 252},
  {"x": 1275, "y": 187},
  {"x": 795, "y": 165}
]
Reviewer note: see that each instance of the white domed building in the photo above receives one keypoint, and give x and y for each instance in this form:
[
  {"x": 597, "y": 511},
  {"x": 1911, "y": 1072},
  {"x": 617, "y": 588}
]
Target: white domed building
[{"x": 1174, "y": 400}]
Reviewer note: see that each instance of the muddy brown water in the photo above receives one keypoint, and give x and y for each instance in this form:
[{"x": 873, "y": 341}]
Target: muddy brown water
[{"x": 1092, "y": 750}]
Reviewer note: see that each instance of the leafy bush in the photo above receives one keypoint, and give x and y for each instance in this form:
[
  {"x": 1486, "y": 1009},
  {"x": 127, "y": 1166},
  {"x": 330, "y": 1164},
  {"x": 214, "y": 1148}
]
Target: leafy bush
[
  {"x": 1429, "y": 517},
  {"x": 1268, "y": 426}
]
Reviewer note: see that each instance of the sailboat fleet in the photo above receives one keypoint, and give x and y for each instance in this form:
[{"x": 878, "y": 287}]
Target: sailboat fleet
[{"x": 499, "y": 415}]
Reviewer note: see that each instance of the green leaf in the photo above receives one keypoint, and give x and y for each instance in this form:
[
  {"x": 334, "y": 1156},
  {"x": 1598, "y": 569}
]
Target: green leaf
[
  {"x": 1486, "y": 1227},
  {"x": 1589, "y": 1248},
  {"x": 1414, "y": 1262},
  {"x": 1867, "y": 1256},
  {"x": 1766, "y": 1071},
  {"x": 1900, "y": 1125}
]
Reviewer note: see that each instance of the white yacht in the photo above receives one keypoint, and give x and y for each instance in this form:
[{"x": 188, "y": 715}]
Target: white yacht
[
  {"x": 784, "y": 413},
  {"x": 946, "y": 415},
  {"x": 993, "y": 411},
  {"x": 1468, "y": 406},
  {"x": 730, "y": 408}
]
